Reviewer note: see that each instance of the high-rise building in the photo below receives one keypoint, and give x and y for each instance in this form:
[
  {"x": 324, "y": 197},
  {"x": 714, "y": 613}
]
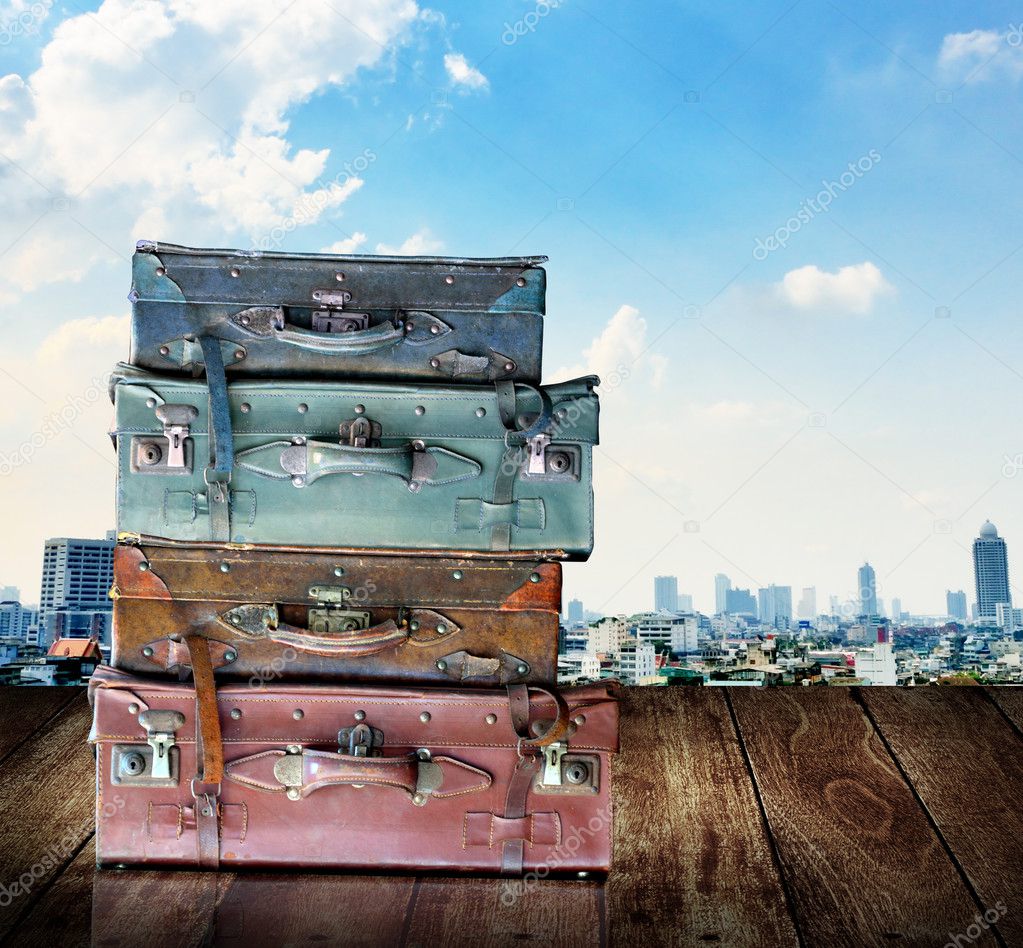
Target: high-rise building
[
  {"x": 1007, "y": 618},
  {"x": 867, "y": 590},
  {"x": 685, "y": 603},
  {"x": 955, "y": 604},
  {"x": 721, "y": 586},
  {"x": 77, "y": 576},
  {"x": 16, "y": 620},
  {"x": 876, "y": 665},
  {"x": 576, "y": 613},
  {"x": 740, "y": 602},
  {"x": 10, "y": 594},
  {"x": 775, "y": 606},
  {"x": 665, "y": 593},
  {"x": 991, "y": 572},
  {"x": 896, "y": 609},
  {"x": 808, "y": 603}
]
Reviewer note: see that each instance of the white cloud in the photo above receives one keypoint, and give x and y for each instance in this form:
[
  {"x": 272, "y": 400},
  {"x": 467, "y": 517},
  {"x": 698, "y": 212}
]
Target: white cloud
[
  {"x": 962, "y": 55},
  {"x": 852, "y": 289},
  {"x": 67, "y": 343},
  {"x": 462, "y": 74},
  {"x": 619, "y": 352},
  {"x": 175, "y": 115},
  {"x": 420, "y": 244},
  {"x": 348, "y": 245}
]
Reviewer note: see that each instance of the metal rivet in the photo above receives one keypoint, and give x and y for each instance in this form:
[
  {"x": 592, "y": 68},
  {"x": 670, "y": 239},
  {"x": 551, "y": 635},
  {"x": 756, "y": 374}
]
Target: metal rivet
[
  {"x": 340, "y": 277},
  {"x": 293, "y": 793},
  {"x": 491, "y": 719},
  {"x": 236, "y": 620},
  {"x": 582, "y": 875},
  {"x": 360, "y": 409},
  {"x": 294, "y": 748},
  {"x": 298, "y": 439},
  {"x": 360, "y": 715},
  {"x": 442, "y": 629},
  {"x": 425, "y": 717},
  {"x": 423, "y": 753},
  {"x": 245, "y": 407},
  {"x": 481, "y": 413},
  {"x": 133, "y": 708},
  {"x": 534, "y": 577},
  {"x": 206, "y": 811},
  {"x": 579, "y": 720},
  {"x": 508, "y": 366},
  {"x": 457, "y": 574},
  {"x": 521, "y": 281},
  {"x": 449, "y": 279},
  {"x": 239, "y": 353},
  {"x": 148, "y": 651},
  {"x": 420, "y": 410},
  {"x": 442, "y": 665},
  {"x": 150, "y": 403},
  {"x": 419, "y": 799},
  {"x": 230, "y": 656},
  {"x": 235, "y": 272},
  {"x": 522, "y": 669},
  {"x": 338, "y": 571},
  {"x": 143, "y": 567},
  {"x": 414, "y": 625},
  {"x": 298, "y": 481},
  {"x": 303, "y": 408},
  {"x": 298, "y": 714},
  {"x": 225, "y": 567},
  {"x": 435, "y": 330},
  {"x": 435, "y": 363},
  {"x": 164, "y": 350},
  {"x": 161, "y": 271},
  {"x": 246, "y": 320},
  {"x": 236, "y": 713},
  {"x": 418, "y": 445}
]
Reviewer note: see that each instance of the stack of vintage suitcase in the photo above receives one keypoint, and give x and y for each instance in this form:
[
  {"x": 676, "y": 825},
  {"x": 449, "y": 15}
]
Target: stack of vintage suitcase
[{"x": 343, "y": 497}]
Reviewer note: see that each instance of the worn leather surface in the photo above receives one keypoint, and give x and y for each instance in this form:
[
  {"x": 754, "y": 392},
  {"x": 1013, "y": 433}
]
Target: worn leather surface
[
  {"x": 494, "y": 617},
  {"x": 269, "y": 505},
  {"x": 491, "y": 312},
  {"x": 375, "y": 826}
]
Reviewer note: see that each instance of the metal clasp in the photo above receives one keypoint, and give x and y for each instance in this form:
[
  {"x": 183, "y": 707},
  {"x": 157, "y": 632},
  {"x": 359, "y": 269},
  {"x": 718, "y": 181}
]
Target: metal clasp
[
  {"x": 360, "y": 741},
  {"x": 331, "y": 319},
  {"x": 360, "y": 433},
  {"x": 161, "y": 728},
  {"x": 552, "y": 755},
  {"x": 537, "y": 460},
  {"x": 176, "y": 420}
]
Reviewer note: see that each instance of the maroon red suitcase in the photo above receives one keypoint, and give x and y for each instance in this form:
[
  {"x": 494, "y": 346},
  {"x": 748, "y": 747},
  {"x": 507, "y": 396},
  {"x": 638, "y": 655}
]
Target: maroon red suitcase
[{"x": 353, "y": 777}]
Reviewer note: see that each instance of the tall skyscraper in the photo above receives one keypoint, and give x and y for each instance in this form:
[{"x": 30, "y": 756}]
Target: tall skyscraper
[
  {"x": 665, "y": 593},
  {"x": 685, "y": 602},
  {"x": 868, "y": 590},
  {"x": 808, "y": 603},
  {"x": 740, "y": 602},
  {"x": 576, "y": 613},
  {"x": 74, "y": 596},
  {"x": 896, "y": 609},
  {"x": 721, "y": 586},
  {"x": 775, "y": 606},
  {"x": 955, "y": 605},
  {"x": 991, "y": 571}
]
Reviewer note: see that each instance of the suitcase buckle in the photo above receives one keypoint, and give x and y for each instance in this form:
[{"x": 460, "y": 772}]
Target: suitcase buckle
[
  {"x": 360, "y": 433},
  {"x": 360, "y": 741}
]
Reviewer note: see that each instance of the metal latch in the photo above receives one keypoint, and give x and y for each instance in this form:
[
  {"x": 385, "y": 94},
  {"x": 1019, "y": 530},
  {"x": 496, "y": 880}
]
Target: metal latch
[
  {"x": 552, "y": 755},
  {"x": 568, "y": 773},
  {"x": 170, "y": 454},
  {"x": 552, "y": 462},
  {"x": 161, "y": 727},
  {"x": 360, "y": 741},
  {"x": 329, "y": 617},
  {"x": 360, "y": 433},
  {"x": 331, "y": 318}
]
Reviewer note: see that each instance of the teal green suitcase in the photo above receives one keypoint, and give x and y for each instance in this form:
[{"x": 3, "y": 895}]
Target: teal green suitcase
[{"x": 359, "y": 465}]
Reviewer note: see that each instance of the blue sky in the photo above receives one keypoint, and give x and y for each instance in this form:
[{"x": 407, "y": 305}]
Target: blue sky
[{"x": 851, "y": 395}]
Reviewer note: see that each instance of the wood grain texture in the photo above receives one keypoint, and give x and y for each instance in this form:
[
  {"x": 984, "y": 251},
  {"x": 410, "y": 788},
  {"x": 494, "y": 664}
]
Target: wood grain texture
[
  {"x": 966, "y": 763},
  {"x": 1010, "y": 700},
  {"x": 63, "y": 916},
  {"x": 489, "y": 913},
  {"x": 861, "y": 859},
  {"x": 47, "y": 807},
  {"x": 692, "y": 859},
  {"x": 24, "y": 710}
]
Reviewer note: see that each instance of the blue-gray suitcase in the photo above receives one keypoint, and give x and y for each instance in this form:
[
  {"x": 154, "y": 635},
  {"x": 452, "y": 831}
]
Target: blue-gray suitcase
[{"x": 285, "y": 315}]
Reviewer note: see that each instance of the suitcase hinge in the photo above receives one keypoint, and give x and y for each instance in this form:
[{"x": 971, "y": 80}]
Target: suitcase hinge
[{"x": 331, "y": 318}]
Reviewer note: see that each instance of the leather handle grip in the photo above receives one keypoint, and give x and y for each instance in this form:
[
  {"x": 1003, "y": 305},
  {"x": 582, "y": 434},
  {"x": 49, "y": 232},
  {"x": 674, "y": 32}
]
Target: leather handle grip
[
  {"x": 358, "y": 342},
  {"x": 356, "y": 644}
]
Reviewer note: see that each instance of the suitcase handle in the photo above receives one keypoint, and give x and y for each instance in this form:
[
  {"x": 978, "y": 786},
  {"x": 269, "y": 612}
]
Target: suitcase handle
[
  {"x": 300, "y": 771},
  {"x": 417, "y": 627},
  {"x": 415, "y": 328}
]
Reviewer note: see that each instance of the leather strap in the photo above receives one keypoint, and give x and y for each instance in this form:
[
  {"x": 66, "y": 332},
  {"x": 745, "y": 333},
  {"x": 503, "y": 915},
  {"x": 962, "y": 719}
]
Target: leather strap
[
  {"x": 209, "y": 749},
  {"x": 518, "y": 707},
  {"x": 207, "y": 827},
  {"x": 513, "y": 851},
  {"x": 221, "y": 463}
]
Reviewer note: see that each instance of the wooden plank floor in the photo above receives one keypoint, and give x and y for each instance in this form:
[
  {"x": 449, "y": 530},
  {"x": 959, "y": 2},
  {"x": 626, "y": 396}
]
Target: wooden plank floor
[{"x": 789, "y": 817}]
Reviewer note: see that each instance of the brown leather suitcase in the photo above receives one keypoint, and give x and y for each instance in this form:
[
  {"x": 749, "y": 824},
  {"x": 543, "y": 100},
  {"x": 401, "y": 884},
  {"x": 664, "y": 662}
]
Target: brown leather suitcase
[
  {"x": 511, "y": 781},
  {"x": 297, "y": 614}
]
